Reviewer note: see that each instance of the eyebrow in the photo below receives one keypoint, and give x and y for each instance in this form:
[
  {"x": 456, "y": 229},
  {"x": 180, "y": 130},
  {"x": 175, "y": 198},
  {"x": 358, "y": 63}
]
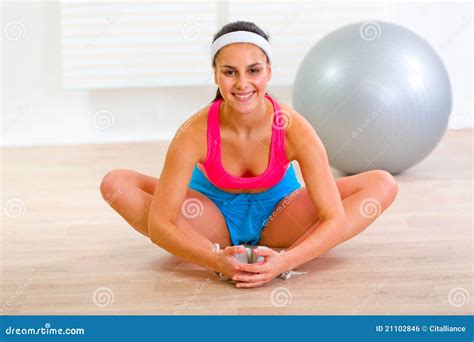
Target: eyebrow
[{"x": 232, "y": 67}]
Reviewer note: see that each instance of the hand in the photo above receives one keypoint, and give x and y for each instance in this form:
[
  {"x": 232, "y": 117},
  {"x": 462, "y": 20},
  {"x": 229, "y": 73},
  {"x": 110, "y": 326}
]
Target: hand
[
  {"x": 263, "y": 272},
  {"x": 228, "y": 264}
]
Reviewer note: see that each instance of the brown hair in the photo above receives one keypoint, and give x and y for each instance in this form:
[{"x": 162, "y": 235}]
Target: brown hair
[{"x": 238, "y": 26}]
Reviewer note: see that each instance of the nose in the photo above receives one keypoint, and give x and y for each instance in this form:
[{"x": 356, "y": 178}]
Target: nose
[{"x": 241, "y": 82}]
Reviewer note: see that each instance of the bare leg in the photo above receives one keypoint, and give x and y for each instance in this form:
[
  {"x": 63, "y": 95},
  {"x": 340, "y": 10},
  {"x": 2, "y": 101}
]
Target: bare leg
[
  {"x": 364, "y": 197},
  {"x": 130, "y": 194}
]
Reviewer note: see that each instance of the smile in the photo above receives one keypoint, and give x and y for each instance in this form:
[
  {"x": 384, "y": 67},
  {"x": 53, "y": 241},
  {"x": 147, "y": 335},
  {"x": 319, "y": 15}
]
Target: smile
[{"x": 244, "y": 97}]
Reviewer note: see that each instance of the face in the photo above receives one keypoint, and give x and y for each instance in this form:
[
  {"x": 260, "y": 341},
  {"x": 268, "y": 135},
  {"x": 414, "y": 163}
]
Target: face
[{"x": 242, "y": 68}]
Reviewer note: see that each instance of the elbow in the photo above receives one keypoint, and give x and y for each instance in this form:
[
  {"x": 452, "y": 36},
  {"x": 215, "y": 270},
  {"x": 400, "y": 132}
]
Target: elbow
[
  {"x": 152, "y": 235},
  {"x": 337, "y": 218},
  {"x": 340, "y": 216},
  {"x": 339, "y": 222},
  {"x": 155, "y": 231}
]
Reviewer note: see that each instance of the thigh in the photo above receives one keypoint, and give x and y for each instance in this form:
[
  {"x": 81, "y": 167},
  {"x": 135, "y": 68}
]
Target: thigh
[
  {"x": 290, "y": 219},
  {"x": 142, "y": 181},
  {"x": 119, "y": 178},
  {"x": 295, "y": 214},
  {"x": 198, "y": 213}
]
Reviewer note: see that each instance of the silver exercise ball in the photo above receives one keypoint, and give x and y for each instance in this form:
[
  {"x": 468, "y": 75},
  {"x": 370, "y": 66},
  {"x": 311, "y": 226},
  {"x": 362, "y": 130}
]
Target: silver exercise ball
[{"x": 377, "y": 94}]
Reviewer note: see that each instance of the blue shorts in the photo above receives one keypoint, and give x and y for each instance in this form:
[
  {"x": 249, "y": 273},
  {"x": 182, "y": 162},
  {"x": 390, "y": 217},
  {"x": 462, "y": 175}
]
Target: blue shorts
[{"x": 246, "y": 214}]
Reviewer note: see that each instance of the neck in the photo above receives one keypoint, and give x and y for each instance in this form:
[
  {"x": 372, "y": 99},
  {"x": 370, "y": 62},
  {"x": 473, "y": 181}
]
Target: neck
[{"x": 243, "y": 123}]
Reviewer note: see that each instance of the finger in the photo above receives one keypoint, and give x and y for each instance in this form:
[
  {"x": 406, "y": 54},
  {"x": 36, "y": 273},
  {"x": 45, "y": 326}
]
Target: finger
[
  {"x": 247, "y": 285},
  {"x": 252, "y": 278},
  {"x": 264, "y": 252},
  {"x": 243, "y": 274},
  {"x": 252, "y": 268},
  {"x": 234, "y": 250}
]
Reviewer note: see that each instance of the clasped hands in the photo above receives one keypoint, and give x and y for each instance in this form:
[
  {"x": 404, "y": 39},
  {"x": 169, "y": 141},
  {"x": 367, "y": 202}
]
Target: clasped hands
[{"x": 251, "y": 275}]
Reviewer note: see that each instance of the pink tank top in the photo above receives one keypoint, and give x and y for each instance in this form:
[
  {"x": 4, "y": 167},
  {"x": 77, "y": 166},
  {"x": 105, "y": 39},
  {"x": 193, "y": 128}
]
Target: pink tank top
[{"x": 278, "y": 162}]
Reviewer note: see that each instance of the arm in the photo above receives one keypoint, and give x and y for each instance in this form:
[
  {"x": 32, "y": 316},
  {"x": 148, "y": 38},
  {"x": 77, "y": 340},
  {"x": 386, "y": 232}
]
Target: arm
[
  {"x": 305, "y": 147},
  {"x": 308, "y": 150},
  {"x": 169, "y": 195}
]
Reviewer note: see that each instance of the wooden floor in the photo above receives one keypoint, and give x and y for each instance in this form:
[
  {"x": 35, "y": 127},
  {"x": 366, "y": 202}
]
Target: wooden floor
[{"x": 64, "y": 251}]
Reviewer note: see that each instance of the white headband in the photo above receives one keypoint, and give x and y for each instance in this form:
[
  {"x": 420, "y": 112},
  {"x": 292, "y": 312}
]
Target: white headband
[{"x": 241, "y": 37}]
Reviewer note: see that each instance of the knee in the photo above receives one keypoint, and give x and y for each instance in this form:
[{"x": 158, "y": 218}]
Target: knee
[
  {"x": 387, "y": 183},
  {"x": 111, "y": 183}
]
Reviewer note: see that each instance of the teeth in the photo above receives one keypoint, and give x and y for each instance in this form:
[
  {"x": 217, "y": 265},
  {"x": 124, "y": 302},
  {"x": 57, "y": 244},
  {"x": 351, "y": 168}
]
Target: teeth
[{"x": 244, "y": 96}]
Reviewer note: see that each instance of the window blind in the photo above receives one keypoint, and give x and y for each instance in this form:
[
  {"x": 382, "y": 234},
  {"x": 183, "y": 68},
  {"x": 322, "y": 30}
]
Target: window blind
[
  {"x": 142, "y": 44},
  {"x": 149, "y": 44}
]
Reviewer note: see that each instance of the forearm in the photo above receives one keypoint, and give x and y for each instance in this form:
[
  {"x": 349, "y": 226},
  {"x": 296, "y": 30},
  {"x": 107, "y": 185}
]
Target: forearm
[
  {"x": 174, "y": 240},
  {"x": 327, "y": 235}
]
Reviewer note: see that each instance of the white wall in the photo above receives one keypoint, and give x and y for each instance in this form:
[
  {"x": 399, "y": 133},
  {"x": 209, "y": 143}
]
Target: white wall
[{"x": 37, "y": 110}]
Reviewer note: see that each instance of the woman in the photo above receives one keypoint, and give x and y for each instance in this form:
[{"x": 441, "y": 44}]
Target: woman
[{"x": 232, "y": 160}]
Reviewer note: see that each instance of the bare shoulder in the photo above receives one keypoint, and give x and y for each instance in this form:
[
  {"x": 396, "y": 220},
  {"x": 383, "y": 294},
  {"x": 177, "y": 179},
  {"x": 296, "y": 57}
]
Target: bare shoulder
[
  {"x": 298, "y": 131},
  {"x": 192, "y": 134}
]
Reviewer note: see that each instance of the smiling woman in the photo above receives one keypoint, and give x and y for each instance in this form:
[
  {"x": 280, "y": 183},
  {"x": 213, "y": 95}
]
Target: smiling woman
[
  {"x": 228, "y": 177},
  {"x": 260, "y": 62}
]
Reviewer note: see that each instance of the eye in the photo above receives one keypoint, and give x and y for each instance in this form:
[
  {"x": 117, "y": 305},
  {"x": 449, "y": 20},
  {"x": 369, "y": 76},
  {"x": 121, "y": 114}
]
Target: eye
[
  {"x": 255, "y": 70},
  {"x": 227, "y": 72}
]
